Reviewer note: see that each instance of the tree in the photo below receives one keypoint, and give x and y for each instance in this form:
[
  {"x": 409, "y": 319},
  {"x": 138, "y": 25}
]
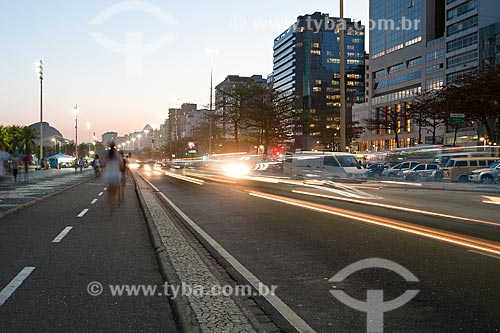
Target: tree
[
  {"x": 387, "y": 119},
  {"x": 427, "y": 111},
  {"x": 270, "y": 118}
]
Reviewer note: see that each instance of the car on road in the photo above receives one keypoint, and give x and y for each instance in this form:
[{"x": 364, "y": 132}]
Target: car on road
[
  {"x": 375, "y": 170},
  {"x": 458, "y": 169},
  {"x": 489, "y": 175},
  {"x": 428, "y": 171},
  {"x": 397, "y": 170}
]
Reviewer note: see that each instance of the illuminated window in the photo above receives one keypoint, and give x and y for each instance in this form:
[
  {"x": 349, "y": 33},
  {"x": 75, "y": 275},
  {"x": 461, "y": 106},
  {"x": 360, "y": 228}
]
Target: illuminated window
[
  {"x": 317, "y": 89},
  {"x": 318, "y": 82}
]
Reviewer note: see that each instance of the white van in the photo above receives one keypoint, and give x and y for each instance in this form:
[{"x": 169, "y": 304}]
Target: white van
[{"x": 323, "y": 165}]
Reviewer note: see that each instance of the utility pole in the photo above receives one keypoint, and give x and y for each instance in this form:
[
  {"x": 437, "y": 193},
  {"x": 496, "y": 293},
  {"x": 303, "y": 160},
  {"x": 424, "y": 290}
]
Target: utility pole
[
  {"x": 39, "y": 66},
  {"x": 343, "y": 113}
]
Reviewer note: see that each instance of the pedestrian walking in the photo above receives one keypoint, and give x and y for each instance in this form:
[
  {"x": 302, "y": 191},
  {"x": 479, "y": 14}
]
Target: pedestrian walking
[
  {"x": 80, "y": 164},
  {"x": 4, "y": 165},
  {"x": 26, "y": 162},
  {"x": 16, "y": 162},
  {"x": 123, "y": 181},
  {"x": 97, "y": 166},
  {"x": 112, "y": 174}
]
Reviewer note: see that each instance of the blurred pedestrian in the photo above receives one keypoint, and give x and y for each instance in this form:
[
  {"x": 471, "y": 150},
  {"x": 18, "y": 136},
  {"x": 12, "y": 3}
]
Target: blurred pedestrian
[
  {"x": 123, "y": 181},
  {"x": 97, "y": 166},
  {"x": 15, "y": 166},
  {"x": 112, "y": 174},
  {"x": 80, "y": 164},
  {"x": 4, "y": 165},
  {"x": 26, "y": 162}
]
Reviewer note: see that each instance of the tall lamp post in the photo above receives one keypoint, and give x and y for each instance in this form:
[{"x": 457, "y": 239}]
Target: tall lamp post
[
  {"x": 139, "y": 136},
  {"x": 211, "y": 53},
  {"x": 146, "y": 131},
  {"x": 88, "y": 128},
  {"x": 133, "y": 143},
  {"x": 75, "y": 113},
  {"x": 39, "y": 69}
]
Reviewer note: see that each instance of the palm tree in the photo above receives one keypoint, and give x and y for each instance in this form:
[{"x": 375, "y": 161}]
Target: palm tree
[{"x": 28, "y": 134}]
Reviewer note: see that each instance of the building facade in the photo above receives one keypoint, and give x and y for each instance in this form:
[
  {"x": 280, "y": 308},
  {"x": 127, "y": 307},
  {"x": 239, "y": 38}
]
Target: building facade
[
  {"x": 408, "y": 60},
  {"x": 306, "y": 67}
]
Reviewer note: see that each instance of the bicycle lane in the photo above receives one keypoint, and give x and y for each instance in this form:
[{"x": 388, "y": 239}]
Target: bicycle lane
[{"x": 51, "y": 252}]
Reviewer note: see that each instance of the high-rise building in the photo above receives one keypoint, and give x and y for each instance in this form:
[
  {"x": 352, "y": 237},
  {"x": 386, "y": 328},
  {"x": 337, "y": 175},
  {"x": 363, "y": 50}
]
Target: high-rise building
[
  {"x": 418, "y": 46},
  {"x": 307, "y": 68},
  {"x": 489, "y": 44},
  {"x": 407, "y": 56}
]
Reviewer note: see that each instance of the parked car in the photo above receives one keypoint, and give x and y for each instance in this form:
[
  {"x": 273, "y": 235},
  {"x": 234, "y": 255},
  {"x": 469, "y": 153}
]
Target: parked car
[
  {"x": 489, "y": 175},
  {"x": 429, "y": 171},
  {"x": 375, "y": 170},
  {"x": 397, "y": 170}
]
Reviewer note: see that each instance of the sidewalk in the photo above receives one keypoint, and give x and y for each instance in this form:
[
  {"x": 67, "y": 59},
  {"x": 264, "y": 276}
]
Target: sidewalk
[{"x": 40, "y": 184}]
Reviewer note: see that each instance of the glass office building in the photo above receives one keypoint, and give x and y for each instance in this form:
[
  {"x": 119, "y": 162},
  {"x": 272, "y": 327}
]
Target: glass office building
[{"x": 307, "y": 66}]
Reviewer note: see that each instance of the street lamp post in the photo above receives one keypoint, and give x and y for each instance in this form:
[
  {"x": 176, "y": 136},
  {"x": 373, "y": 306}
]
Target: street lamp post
[
  {"x": 128, "y": 144},
  {"x": 133, "y": 143},
  {"x": 88, "y": 128},
  {"x": 139, "y": 136},
  {"x": 343, "y": 112},
  {"x": 212, "y": 53},
  {"x": 39, "y": 67},
  {"x": 75, "y": 113},
  {"x": 146, "y": 131}
]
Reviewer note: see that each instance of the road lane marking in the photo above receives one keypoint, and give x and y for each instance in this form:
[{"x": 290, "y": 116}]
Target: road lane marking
[
  {"x": 62, "y": 234},
  {"x": 105, "y": 189},
  {"x": 14, "y": 284},
  {"x": 444, "y": 236},
  {"x": 297, "y": 322},
  {"x": 83, "y": 212},
  {"x": 404, "y": 209},
  {"x": 93, "y": 201},
  {"x": 100, "y": 194},
  {"x": 484, "y": 254}
]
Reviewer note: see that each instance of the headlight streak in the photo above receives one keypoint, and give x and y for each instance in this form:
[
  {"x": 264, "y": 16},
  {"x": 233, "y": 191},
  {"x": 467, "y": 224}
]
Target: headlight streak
[
  {"x": 186, "y": 179},
  {"x": 491, "y": 200},
  {"x": 401, "y": 183},
  {"x": 404, "y": 209},
  {"x": 447, "y": 237}
]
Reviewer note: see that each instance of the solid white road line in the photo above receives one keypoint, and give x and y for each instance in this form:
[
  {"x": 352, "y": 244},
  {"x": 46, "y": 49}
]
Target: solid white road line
[
  {"x": 484, "y": 254},
  {"x": 83, "y": 212},
  {"x": 298, "y": 323},
  {"x": 100, "y": 194},
  {"x": 63, "y": 233},
  {"x": 93, "y": 201},
  {"x": 14, "y": 284}
]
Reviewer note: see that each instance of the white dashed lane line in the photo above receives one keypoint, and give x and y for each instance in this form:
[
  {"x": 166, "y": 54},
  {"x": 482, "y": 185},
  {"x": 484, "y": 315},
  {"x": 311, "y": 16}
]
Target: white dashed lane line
[
  {"x": 14, "y": 284},
  {"x": 63, "y": 233},
  {"x": 93, "y": 201},
  {"x": 105, "y": 189},
  {"x": 100, "y": 194},
  {"x": 83, "y": 212}
]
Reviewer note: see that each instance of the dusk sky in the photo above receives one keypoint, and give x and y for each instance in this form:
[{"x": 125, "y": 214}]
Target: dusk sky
[{"x": 81, "y": 67}]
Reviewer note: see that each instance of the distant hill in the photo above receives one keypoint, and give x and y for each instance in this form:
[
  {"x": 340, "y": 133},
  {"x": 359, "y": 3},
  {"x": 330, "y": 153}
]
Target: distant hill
[{"x": 49, "y": 132}]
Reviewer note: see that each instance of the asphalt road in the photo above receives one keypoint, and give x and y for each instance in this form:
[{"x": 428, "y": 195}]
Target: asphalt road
[
  {"x": 111, "y": 247},
  {"x": 299, "y": 249}
]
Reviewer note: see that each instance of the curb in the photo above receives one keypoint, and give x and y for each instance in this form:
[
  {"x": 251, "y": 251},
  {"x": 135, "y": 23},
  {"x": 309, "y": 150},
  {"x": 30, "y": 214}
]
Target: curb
[
  {"x": 34, "y": 202},
  {"x": 184, "y": 316}
]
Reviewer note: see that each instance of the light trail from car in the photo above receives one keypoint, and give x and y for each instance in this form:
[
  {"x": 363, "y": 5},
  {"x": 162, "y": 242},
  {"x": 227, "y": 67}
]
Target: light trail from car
[
  {"x": 404, "y": 209},
  {"x": 447, "y": 237}
]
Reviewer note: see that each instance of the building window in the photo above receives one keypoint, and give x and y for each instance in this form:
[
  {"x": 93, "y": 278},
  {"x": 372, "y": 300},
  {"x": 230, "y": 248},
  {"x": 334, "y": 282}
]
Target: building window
[
  {"x": 434, "y": 83},
  {"x": 462, "y": 25},
  {"x": 396, "y": 68},
  {"x": 434, "y": 55},
  {"x": 379, "y": 74},
  {"x": 462, "y": 42},
  {"x": 434, "y": 68},
  {"x": 414, "y": 62},
  {"x": 316, "y": 52},
  {"x": 462, "y": 59}
]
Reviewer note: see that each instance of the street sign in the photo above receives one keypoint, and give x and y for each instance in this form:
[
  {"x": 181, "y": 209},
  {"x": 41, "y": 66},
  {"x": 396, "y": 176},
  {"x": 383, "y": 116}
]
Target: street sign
[{"x": 457, "y": 118}]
